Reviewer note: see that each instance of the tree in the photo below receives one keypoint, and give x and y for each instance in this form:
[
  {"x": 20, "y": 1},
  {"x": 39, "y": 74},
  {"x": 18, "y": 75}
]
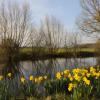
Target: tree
[
  {"x": 89, "y": 21},
  {"x": 15, "y": 29},
  {"x": 52, "y": 33}
]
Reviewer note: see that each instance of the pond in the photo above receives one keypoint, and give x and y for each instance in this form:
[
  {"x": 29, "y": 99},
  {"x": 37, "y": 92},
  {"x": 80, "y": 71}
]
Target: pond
[{"x": 51, "y": 66}]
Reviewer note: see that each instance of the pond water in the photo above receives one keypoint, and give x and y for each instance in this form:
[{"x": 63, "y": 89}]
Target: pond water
[{"x": 50, "y": 66}]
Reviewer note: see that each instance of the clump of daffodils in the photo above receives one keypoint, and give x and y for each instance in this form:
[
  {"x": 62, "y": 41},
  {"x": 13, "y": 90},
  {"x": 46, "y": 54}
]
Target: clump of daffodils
[
  {"x": 23, "y": 80},
  {"x": 38, "y": 79},
  {"x": 79, "y": 76}
]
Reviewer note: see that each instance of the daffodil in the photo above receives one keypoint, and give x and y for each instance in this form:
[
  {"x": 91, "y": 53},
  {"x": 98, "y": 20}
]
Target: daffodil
[
  {"x": 70, "y": 77},
  {"x": 84, "y": 78},
  {"x": 65, "y": 73},
  {"x": 31, "y": 78},
  {"x": 1, "y": 77},
  {"x": 9, "y": 75},
  {"x": 92, "y": 70},
  {"x": 71, "y": 86},
  {"x": 97, "y": 75},
  {"x": 77, "y": 77},
  {"x": 40, "y": 78},
  {"x": 88, "y": 74},
  {"x": 22, "y": 80},
  {"x": 62, "y": 73},
  {"x": 36, "y": 80},
  {"x": 58, "y": 75},
  {"x": 86, "y": 81},
  {"x": 76, "y": 71},
  {"x": 45, "y": 77}
]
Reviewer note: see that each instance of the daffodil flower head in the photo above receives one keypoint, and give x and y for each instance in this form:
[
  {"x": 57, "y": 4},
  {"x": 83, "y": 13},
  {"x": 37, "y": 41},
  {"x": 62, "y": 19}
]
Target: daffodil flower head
[
  {"x": 9, "y": 75},
  {"x": 58, "y": 75},
  {"x": 45, "y": 77},
  {"x": 71, "y": 86},
  {"x": 77, "y": 77},
  {"x": 31, "y": 78},
  {"x": 22, "y": 80},
  {"x": 1, "y": 77},
  {"x": 86, "y": 81},
  {"x": 92, "y": 69}
]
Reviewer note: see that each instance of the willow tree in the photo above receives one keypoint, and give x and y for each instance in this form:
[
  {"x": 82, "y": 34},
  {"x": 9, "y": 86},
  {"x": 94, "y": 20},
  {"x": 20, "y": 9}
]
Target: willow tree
[{"x": 15, "y": 29}]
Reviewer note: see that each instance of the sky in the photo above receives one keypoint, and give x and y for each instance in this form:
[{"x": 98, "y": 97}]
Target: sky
[{"x": 66, "y": 11}]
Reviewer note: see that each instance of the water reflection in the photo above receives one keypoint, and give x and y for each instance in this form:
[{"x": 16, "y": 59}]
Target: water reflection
[{"x": 51, "y": 66}]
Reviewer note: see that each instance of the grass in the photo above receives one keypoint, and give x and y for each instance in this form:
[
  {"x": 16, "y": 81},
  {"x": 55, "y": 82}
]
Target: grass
[
  {"x": 44, "y": 53},
  {"x": 59, "y": 50}
]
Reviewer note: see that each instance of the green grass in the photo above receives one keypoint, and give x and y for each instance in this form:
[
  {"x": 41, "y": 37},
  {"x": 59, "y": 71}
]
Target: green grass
[{"x": 60, "y": 50}]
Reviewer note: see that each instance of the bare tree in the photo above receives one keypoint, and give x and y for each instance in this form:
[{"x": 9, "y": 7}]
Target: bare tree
[
  {"x": 90, "y": 19},
  {"x": 15, "y": 29},
  {"x": 52, "y": 33}
]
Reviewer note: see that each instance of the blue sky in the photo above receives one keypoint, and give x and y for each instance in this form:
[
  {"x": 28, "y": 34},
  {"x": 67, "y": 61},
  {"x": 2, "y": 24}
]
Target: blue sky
[
  {"x": 67, "y": 11},
  {"x": 64, "y": 10}
]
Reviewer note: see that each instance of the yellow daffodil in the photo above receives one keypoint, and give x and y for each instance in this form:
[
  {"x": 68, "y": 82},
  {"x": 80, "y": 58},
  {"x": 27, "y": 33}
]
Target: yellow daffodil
[
  {"x": 92, "y": 69},
  {"x": 1, "y": 77},
  {"x": 31, "y": 78},
  {"x": 77, "y": 70},
  {"x": 65, "y": 73},
  {"x": 88, "y": 74},
  {"x": 83, "y": 72},
  {"x": 84, "y": 78},
  {"x": 58, "y": 75},
  {"x": 22, "y": 80},
  {"x": 36, "y": 80},
  {"x": 86, "y": 81},
  {"x": 45, "y": 77},
  {"x": 40, "y": 78},
  {"x": 9, "y": 75},
  {"x": 77, "y": 77},
  {"x": 97, "y": 75},
  {"x": 71, "y": 78},
  {"x": 71, "y": 86},
  {"x": 62, "y": 73}
]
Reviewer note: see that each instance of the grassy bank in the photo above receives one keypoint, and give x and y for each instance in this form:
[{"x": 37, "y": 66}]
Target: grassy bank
[{"x": 43, "y": 53}]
